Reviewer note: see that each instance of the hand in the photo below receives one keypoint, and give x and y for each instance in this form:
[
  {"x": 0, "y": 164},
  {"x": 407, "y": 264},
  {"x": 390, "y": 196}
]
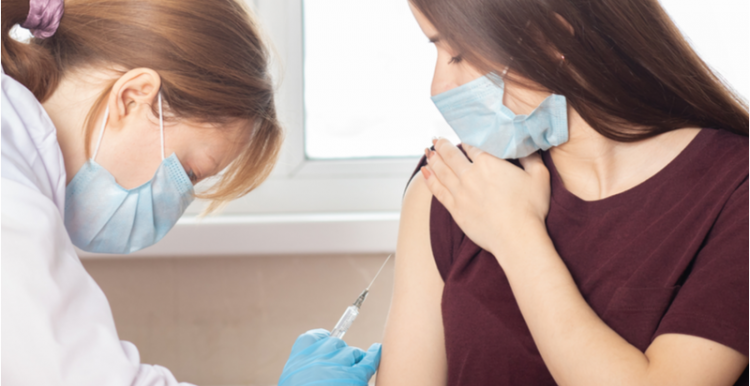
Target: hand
[
  {"x": 492, "y": 201},
  {"x": 317, "y": 358}
]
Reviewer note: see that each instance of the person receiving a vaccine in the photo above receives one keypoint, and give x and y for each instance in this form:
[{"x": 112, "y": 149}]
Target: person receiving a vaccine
[
  {"x": 593, "y": 227},
  {"x": 110, "y": 115}
]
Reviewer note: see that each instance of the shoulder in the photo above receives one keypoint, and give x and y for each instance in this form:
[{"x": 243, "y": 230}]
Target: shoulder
[
  {"x": 424, "y": 217},
  {"x": 726, "y": 147},
  {"x": 416, "y": 207},
  {"x": 31, "y": 154},
  {"x": 417, "y": 197},
  {"x": 21, "y": 111},
  {"x": 713, "y": 165},
  {"x": 416, "y": 190},
  {"x": 419, "y": 201},
  {"x": 727, "y": 155}
]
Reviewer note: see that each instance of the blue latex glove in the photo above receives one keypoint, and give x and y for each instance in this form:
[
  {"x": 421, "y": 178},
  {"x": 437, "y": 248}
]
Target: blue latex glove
[{"x": 318, "y": 359}]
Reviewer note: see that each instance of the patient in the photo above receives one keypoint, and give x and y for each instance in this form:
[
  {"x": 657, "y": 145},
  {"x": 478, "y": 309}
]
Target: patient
[{"x": 616, "y": 255}]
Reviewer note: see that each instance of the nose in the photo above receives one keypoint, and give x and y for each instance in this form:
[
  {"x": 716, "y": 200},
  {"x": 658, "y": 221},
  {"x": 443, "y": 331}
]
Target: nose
[
  {"x": 440, "y": 86},
  {"x": 443, "y": 80}
]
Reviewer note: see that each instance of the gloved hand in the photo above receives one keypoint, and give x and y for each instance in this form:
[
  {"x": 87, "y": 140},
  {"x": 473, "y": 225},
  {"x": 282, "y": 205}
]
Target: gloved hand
[{"x": 321, "y": 360}]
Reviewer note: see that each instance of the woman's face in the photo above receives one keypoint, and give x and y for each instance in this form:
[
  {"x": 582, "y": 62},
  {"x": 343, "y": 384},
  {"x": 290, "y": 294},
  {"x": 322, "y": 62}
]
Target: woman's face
[
  {"x": 451, "y": 71},
  {"x": 131, "y": 146},
  {"x": 132, "y": 154}
]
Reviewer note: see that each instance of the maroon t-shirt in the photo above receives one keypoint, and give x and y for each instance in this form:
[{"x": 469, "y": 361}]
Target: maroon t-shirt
[{"x": 667, "y": 256}]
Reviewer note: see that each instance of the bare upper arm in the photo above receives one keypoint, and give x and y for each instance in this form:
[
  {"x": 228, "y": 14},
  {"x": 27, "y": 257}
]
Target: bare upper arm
[
  {"x": 677, "y": 359},
  {"x": 414, "y": 345}
]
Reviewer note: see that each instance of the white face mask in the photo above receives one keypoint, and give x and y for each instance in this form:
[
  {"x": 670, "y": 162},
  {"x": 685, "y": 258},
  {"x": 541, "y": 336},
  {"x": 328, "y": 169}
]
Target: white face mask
[
  {"x": 103, "y": 217},
  {"x": 475, "y": 111}
]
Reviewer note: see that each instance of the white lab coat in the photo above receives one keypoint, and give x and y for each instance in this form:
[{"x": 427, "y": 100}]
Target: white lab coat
[{"x": 57, "y": 327}]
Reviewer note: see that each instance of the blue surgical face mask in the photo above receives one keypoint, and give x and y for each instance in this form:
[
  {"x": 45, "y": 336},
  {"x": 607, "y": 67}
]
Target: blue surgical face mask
[
  {"x": 476, "y": 113},
  {"x": 103, "y": 217}
]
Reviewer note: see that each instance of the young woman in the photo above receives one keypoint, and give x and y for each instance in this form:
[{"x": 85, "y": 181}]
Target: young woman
[
  {"x": 617, "y": 256},
  {"x": 110, "y": 115}
]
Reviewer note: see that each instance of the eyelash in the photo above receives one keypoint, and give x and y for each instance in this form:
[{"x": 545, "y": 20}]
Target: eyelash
[{"x": 455, "y": 59}]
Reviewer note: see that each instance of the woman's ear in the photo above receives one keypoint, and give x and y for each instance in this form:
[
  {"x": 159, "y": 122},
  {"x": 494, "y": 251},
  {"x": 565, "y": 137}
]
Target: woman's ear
[{"x": 139, "y": 86}]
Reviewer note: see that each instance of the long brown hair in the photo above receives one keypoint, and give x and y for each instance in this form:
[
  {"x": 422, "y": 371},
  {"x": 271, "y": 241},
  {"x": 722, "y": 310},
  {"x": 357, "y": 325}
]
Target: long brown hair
[
  {"x": 627, "y": 69},
  {"x": 213, "y": 64}
]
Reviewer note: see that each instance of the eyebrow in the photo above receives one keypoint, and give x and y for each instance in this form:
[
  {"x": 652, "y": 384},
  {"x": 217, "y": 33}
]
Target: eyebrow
[{"x": 216, "y": 163}]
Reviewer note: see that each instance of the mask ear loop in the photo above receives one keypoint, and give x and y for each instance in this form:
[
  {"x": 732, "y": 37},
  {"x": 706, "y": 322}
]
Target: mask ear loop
[
  {"x": 101, "y": 133},
  {"x": 104, "y": 124},
  {"x": 161, "y": 127}
]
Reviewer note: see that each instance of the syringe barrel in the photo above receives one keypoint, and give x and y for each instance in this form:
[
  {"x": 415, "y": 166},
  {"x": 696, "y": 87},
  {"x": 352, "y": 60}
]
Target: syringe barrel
[{"x": 345, "y": 322}]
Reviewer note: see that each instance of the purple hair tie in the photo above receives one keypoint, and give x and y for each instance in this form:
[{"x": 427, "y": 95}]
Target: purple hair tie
[{"x": 44, "y": 17}]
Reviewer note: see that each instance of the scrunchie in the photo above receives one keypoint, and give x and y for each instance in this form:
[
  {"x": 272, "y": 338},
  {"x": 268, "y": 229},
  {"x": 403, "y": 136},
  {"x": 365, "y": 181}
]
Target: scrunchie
[{"x": 44, "y": 17}]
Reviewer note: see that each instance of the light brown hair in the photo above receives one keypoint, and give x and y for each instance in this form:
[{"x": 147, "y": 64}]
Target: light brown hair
[
  {"x": 627, "y": 70},
  {"x": 213, "y": 64}
]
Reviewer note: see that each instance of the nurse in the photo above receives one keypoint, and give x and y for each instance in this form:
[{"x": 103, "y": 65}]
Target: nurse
[{"x": 110, "y": 115}]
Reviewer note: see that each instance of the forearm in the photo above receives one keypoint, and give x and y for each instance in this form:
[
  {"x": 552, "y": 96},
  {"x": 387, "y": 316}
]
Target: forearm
[{"x": 576, "y": 345}]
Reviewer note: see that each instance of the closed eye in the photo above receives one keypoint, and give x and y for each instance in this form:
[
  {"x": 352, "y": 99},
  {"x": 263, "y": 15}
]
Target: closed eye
[{"x": 192, "y": 176}]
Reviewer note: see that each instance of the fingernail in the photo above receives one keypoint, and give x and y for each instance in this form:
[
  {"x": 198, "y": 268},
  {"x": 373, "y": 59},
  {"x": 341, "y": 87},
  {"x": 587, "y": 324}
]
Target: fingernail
[
  {"x": 434, "y": 141},
  {"x": 426, "y": 173},
  {"x": 427, "y": 153}
]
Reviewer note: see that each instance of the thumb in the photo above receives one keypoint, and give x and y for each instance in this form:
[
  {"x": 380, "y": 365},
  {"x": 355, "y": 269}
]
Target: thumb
[{"x": 369, "y": 364}]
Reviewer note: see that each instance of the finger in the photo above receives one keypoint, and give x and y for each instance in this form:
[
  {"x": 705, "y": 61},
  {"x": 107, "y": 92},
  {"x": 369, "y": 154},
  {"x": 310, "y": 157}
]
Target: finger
[
  {"x": 534, "y": 166},
  {"x": 472, "y": 152},
  {"x": 308, "y": 339},
  {"x": 445, "y": 174},
  {"x": 331, "y": 344},
  {"x": 325, "y": 352},
  {"x": 532, "y": 163},
  {"x": 347, "y": 356},
  {"x": 453, "y": 157},
  {"x": 369, "y": 364},
  {"x": 437, "y": 189}
]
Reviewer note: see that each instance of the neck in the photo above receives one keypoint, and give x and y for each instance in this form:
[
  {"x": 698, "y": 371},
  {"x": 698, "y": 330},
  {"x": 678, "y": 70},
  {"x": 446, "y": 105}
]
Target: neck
[
  {"x": 68, "y": 108},
  {"x": 594, "y": 167}
]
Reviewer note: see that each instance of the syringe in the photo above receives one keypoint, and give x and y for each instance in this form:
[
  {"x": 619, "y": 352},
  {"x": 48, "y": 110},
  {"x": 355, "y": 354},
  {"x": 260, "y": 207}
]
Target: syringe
[{"x": 352, "y": 311}]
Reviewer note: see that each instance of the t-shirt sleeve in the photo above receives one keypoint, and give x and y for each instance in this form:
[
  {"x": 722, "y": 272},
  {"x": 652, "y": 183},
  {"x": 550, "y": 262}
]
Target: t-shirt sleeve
[{"x": 712, "y": 302}]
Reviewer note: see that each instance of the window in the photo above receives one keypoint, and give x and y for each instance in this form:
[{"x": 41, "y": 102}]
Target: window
[
  {"x": 718, "y": 31},
  {"x": 367, "y": 75}
]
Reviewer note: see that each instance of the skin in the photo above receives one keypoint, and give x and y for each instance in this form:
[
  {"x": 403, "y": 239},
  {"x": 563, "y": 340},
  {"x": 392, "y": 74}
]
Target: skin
[
  {"x": 576, "y": 345},
  {"x": 131, "y": 145}
]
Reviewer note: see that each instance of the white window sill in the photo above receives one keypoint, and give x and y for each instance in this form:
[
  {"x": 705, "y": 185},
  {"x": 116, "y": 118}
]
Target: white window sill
[{"x": 314, "y": 233}]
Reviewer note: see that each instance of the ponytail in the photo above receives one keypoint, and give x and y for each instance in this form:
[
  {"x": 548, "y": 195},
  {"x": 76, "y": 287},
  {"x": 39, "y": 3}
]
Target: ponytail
[{"x": 29, "y": 63}]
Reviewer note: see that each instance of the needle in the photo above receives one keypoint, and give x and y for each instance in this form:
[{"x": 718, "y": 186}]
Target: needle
[
  {"x": 376, "y": 275},
  {"x": 352, "y": 311}
]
